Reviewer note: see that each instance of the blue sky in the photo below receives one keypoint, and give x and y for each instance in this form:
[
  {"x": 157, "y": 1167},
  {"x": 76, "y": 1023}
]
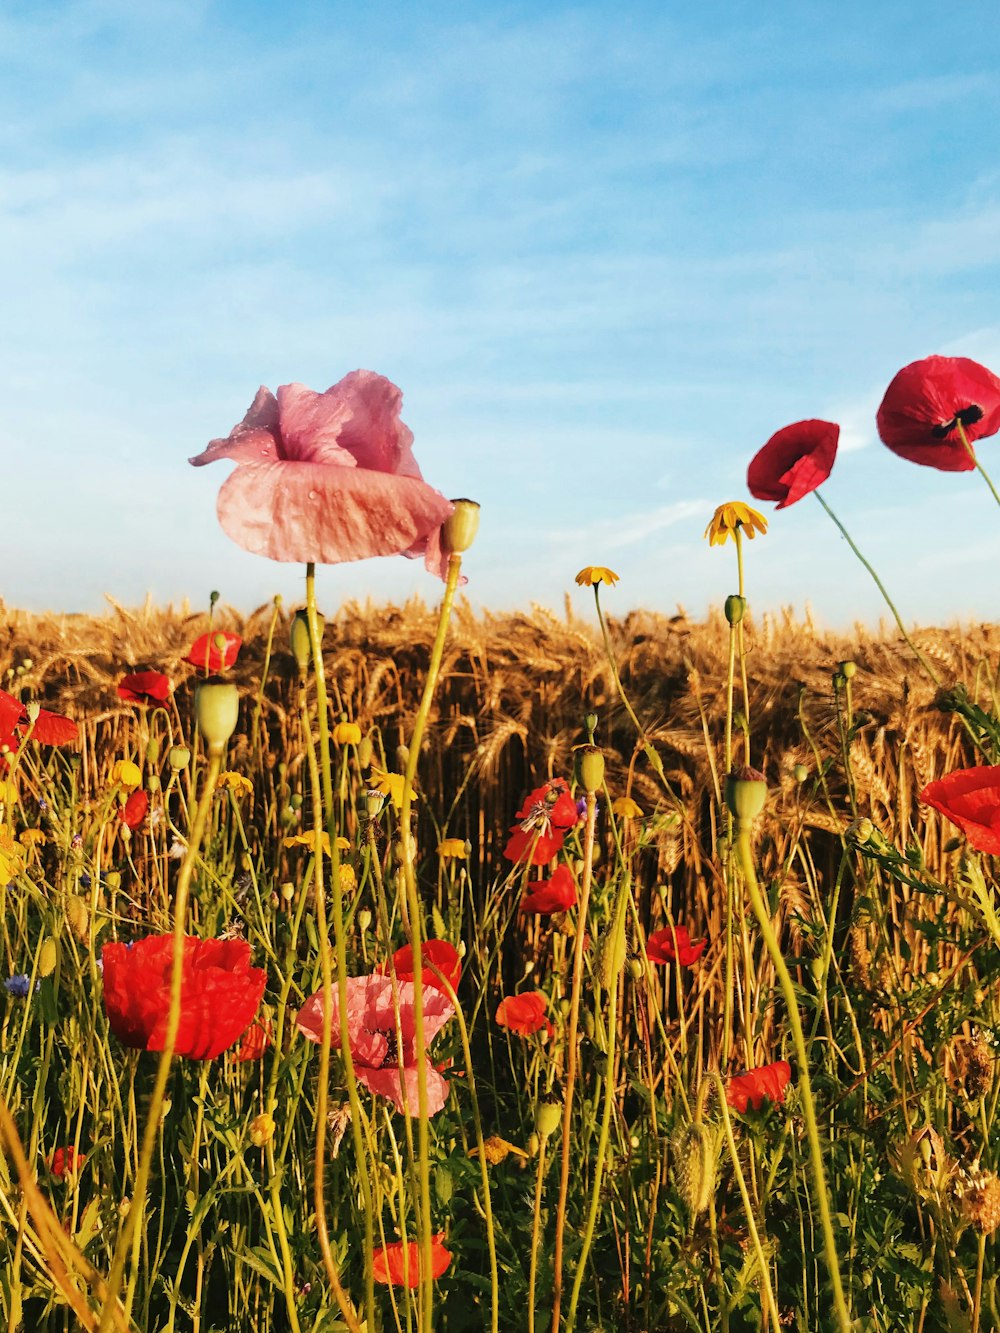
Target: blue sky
[{"x": 605, "y": 250}]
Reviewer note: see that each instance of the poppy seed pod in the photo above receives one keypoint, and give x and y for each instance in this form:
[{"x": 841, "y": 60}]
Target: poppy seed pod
[
  {"x": 590, "y": 722},
  {"x": 800, "y": 772},
  {"x": 460, "y": 528},
  {"x": 736, "y": 608},
  {"x": 590, "y": 768},
  {"x": 179, "y": 757},
  {"x": 848, "y": 669},
  {"x": 217, "y": 707},
  {"x": 746, "y": 793},
  {"x": 548, "y": 1116},
  {"x": 299, "y": 639}
]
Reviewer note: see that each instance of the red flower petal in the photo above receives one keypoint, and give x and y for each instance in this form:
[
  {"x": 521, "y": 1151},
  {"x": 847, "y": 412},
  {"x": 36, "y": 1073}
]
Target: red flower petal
[
  {"x": 143, "y": 687},
  {"x": 388, "y": 1262},
  {"x": 11, "y": 713},
  {"x": 794, "y": 462},
  {"x": 135, "y": 809},
  {"x": 970, "y": 798},
  {"x": 257, "y": 1038},
  {"x": 440, "y": 954},
  {"x": 220, "y": 993},
  {"x": 660, "y": 946},
  {"x": 206, "y": 651},
  {"x": 525, "y": 1013},
  {"x": 917, "y": 416},
  {"x": 65, "y": 1160},
  {"x": 557, "y": 894},
  {"x": 545, "y": 817},
  {"x": 759, "y": 1085}
]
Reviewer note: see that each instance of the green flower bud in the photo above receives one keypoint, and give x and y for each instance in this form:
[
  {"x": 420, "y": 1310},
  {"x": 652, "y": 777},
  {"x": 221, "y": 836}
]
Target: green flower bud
[
  {"x": 548, "y": 1116},
  {"x": 590, "y": 768},
  {"x": 299, "y": 639},
  {"x": 695, "y": 1165},
  {"x": 217, "y": 707},
  {"x": 48, "y": 957},
  {"x": 848, "y": 669},
  {"x": 736, "y": 608},
  {"x": 800, "y": 772},
  {"x": 365, "y": 750},
  {"x": 838, "y": 680},
  {"x": 153, "y": 782},
  {"x": 746, "y": 793},
  {"x": 460, "y": 528},
  {"x": 153, "y": 750}
]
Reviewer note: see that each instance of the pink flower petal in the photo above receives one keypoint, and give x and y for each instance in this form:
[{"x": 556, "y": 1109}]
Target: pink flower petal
[
  {"x": 254, "y": 440},
  {"x": 311, "y": 424},
  {"x": 387, "y": 1083}
]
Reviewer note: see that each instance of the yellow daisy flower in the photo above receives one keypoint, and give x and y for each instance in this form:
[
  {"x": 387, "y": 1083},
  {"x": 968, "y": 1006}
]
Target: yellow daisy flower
[
  {"x": 625, "y": 808},
  {"x": 452, "y": 847},
  {"x": 309, "y": 840},
  {"x": 11, "y": 859},
  {"x": 347, "y": 733},
  {"x": 496, "y": 1150},
  {"x": 728, "y": 517},
  {"x": 235, "y": 782},
  {"x": 389, "y": 784},
  {"x": 126, "y": 774},
  {"x": 592, "y": 574}
]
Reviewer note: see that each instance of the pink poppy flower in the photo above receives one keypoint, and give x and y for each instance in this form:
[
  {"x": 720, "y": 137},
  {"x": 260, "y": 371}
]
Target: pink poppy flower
[
  {"x": 660, "y": 947},
  {"x": 144, "y": 687},
  {"x": 371, "y": 1022},
  {"x": 216, "y": 651},
  {"x": 545, "y": 896},
  {"x": 794, "y": 462},
  {"x": 757, "y": 1086},
  {"x": 328, "y": 477},
  {"x": 548, "y": 813},
  {"x": 919, "y": 414}
]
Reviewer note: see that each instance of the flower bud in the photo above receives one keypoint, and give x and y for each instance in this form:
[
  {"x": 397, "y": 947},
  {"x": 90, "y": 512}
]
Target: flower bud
[
  {"x": 217, "y": 707},
  {"x": 299, "y": 639},
  {"x": 590, "y": 722},
  {"x": 262, "y": 1129},
  {"x": 635, "y": 968},
  {"x": 153, "y": 782},
  {"x": 838, "y": 680},
  {"x": 113, "y": 879},
  {"x": 736, "y": 608},
  {"x": 179, "y": 757},
  {"x": 746, "y": 793},
  {"x": 548, "y": 1116},
  {"x": 800, "y": 772},
  {"x": 364, "y": 919},
  {"x": 459, "y": 529},
  {"x": 153, "y": 750},
  {"x": 590, "y": 768},
  {"x": 365, "y": 750},
  {"x": 347, "y": 733},
  {"x": 695, "y": 1165},
  {"x": 860, "y": 830},
  {"x": 613, "y": 947},
  {"x": 48, "y": 957}
]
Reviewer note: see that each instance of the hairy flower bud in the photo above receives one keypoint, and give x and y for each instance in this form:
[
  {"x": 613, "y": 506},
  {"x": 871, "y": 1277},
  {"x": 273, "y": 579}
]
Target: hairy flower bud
[
  {"x": 179, "y": 757},
  {"x": 695, "y": 1164}
]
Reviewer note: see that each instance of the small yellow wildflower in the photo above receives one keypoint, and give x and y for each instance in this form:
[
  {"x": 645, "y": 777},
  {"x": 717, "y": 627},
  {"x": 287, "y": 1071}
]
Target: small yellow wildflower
[
  {"x": 625, "y": 808},
  {"x": 348, "y": 879},
  {"x": 592, "y": 574},
  {"x": 262, "y": 1129},
  {"x": 452, "y": 848},
  {"x": 235, "y": 782},
  {"x": 496, "y": 1150},
  {"x": 347, "y": 733},
  {"x": 11, "y": 859},
  {"x": 389, "y": 784},
  {"x": 8, "y": 792},
  {"x": 728, "y": 517},
  {"x": 31, "y": 837},
  {"x": 309, "y": 840},
  {"x": 126, "y": 774}
]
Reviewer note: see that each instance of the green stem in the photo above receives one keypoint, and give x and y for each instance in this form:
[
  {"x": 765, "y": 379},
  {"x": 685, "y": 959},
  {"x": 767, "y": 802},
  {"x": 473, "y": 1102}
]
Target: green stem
[
  {"x": 536, "y": 1217},
  {"x": 972, "y": 454},
  {"x": 882, "y": 589},
  {"x": 805, "y": 1087},
  {"x": 424, "y": 1232}
]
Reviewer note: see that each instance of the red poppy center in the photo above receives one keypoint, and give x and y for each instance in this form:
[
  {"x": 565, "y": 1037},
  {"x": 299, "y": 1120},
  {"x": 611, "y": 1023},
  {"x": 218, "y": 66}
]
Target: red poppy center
[{"x": 968, "y": 416}]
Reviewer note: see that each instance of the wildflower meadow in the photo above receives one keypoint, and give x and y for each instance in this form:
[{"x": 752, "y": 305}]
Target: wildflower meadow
[{"x": 422, "y": 969}]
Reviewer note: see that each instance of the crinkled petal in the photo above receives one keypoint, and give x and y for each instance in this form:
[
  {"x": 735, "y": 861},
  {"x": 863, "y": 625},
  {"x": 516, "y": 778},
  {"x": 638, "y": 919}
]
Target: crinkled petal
[
  {"x": 305, "y": 512},
  {"x": 372, "y": 431},
  {"x": 310, "y": 1017},
  {"x": 386, "y": 1082},
  {"x": 254, "y": 440},
  {"x": 437, "y": 1009},
  {"x": 310, "y": 425}
]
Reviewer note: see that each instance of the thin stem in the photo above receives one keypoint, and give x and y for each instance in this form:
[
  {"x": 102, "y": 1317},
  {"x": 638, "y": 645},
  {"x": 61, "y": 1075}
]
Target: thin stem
[
  {"x": 536, "y": 1216},
  {"x": 972, "y": 454}
]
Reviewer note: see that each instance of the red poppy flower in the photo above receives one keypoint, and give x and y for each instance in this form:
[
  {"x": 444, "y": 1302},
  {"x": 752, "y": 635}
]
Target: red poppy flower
[
  {"x": 65, "y": 1161},
  {"x": 970, "y": 798},
  {"x": 660, "y": 947},
  {"x": 919, "y": 415},
  {"x": 794, "y": 462},
  {"x": 759, "y": 1085},
  {"x": 328, "y": 477},
  {"x": 144, "y": 687},
  {"x": 257, "y": 1038},
  {"x": 49, "y": 728},
  {"x": 387, "y": 1262},
  {"x": 524, "y": 1013},
  {"x": 439, "y": 953},
  {"x": 216, "y": 651},
  {"x": 372, "y": 1029},
  {"x": 135, "y": 809},
  {"x": 220, "y": 993},
  {"x": 543, "y": 822},
  {"x": 545, "y": 896}
]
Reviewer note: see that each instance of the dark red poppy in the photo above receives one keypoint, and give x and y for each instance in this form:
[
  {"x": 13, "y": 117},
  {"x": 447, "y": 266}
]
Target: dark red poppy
[
  {"x": 759, "y": 1085},
  {"x": 135, "y": 809},
  {"x": 216, "y": 650},
  {"x": 220, "y": 993},
  {"x": 387, "y": 1262},
  {"x": 257, "y": 1038},
  {"x": 794, "y": 462},
  {"x": 439, "y": 954},
  {"x": 144, "y": 687},
  {"x": 49, "y": 728},
  {"x": 65, "y": 1161},
  {"x": 543, "y": 822},
  {"x": 919, "y": 415},
  {"x": 970, "y": 798},
  {"x": 525, "y": 1013},
  {"x": 545, "y": 896},
  {"x": 661, "y": 948}
]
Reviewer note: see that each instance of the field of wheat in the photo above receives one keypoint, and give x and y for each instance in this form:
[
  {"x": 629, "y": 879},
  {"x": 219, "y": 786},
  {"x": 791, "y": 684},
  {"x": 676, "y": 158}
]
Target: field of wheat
[{"x": 692, "y": 1199}]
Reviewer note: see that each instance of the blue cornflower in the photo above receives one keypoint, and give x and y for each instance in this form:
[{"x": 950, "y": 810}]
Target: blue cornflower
[{"x": 19, "y": 984}]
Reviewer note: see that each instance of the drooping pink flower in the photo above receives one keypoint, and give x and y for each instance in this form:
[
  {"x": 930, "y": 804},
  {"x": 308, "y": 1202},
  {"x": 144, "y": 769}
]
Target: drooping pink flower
[
  {"x": 794, "y": 462},
  {"x": 328, "y": 477},
  {"x": 548, "y": 813},
  {"x": 216, "y": 651},
  {"x": 144, "y": 687},
  {"x": 371, "y": 1023},
  {"x": 661, "y": 948},
  {"x": 919, "y": 415},
  {"x": 545, "y": 896}
]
